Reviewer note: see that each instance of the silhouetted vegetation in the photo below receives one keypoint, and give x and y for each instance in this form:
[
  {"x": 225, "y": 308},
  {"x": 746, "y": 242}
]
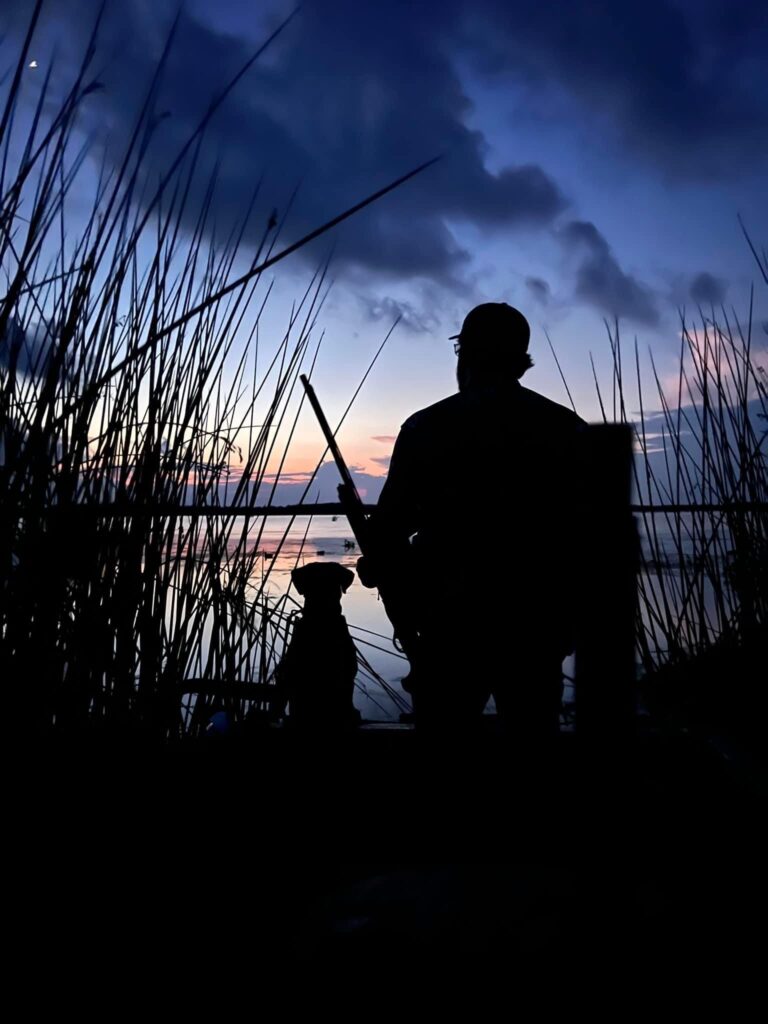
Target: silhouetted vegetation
[
  {"x": 702, "y": 493},
  {"x": 132, "y": 371},
  {"x": 132, "y": 368}
]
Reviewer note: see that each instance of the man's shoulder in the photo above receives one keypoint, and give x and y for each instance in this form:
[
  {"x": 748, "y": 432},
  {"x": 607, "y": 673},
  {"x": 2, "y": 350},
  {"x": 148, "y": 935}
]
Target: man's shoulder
[
  {"x": 553, "y": 412},
  {"x": 445, "y": 409},
  {"x": 538, "y": 406}
]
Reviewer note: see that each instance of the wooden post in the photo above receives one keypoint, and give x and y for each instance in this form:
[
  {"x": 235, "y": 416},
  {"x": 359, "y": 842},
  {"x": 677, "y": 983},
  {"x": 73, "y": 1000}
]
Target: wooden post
[{"x": 605, "y": 645}]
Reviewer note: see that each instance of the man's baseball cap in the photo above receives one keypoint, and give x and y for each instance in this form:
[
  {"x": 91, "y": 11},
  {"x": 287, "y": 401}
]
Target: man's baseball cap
[{"x": 495, "y": 320}]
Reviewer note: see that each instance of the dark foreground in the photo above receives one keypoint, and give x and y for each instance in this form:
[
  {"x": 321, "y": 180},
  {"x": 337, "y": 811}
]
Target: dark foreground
[{"x": 330, "y": 850}]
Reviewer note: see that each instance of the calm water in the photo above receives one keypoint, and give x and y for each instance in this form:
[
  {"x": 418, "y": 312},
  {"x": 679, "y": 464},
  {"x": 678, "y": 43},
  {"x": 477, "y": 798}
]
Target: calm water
[
  {"x": 329, "y": 541},
  {"x": 323, "y": 539},
  {"x": 326, "y": 540}
]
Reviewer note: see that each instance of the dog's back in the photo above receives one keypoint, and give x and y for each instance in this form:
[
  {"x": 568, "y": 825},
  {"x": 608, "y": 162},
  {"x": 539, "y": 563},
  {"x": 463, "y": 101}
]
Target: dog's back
[{"x": 316, "y": 676}]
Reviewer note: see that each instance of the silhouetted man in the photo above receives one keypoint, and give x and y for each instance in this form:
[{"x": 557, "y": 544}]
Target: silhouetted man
[{"x": 481, "y": 484}]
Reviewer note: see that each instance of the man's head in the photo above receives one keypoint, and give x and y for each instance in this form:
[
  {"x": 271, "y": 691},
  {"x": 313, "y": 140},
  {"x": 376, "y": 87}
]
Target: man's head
[{"x": 493, "y": 342}]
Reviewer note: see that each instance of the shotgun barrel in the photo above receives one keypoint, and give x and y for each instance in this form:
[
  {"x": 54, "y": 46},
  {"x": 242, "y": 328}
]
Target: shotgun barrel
[{"x": 406, "y": 633}]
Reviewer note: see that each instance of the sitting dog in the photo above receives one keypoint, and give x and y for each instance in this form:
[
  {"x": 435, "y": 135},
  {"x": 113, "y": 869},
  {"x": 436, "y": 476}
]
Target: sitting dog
[{"x": 316, "y": 675}]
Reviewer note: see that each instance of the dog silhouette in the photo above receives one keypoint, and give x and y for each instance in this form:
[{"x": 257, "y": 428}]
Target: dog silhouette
[{"x": 316, "y": 676}]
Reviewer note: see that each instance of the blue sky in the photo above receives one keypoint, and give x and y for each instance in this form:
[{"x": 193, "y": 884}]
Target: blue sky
[{"x": 595, "y": 157}]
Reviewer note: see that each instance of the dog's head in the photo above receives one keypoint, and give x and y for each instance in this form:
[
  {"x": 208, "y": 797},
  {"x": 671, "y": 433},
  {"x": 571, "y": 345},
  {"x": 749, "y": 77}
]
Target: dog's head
[{"x": 322, "y": 580}]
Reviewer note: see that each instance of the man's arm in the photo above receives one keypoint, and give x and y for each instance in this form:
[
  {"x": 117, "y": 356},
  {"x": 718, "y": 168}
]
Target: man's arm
[{"x": 396, "y": 516}]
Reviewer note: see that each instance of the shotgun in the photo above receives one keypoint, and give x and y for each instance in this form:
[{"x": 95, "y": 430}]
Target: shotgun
[{"x": 395, "y": 605}]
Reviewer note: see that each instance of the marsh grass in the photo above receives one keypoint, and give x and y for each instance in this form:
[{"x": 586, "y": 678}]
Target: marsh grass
[
  {"x": 135, "y": 382},
  {"x": 701, "y": 485}
]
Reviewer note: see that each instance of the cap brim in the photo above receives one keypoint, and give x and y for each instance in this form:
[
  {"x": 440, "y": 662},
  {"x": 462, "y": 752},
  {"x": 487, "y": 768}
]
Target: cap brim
[{"x": 453, "y": 337}]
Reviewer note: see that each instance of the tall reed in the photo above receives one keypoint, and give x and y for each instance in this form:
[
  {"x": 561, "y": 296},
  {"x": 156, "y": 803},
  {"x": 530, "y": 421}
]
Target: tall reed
[
  {"x": 701, "y": 483},
  {"x": 135, "y": 380}
]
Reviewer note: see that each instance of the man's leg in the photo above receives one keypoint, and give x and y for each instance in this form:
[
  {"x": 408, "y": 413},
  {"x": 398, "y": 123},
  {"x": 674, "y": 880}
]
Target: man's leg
[
  {"x": 529, "y": 695},
  {"x": 451, "y": 689}
]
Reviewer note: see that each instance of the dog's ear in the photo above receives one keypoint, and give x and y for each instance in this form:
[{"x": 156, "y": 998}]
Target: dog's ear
[
  {"x": 299, "y": 578},
  {"x": 346, "y": 576}
]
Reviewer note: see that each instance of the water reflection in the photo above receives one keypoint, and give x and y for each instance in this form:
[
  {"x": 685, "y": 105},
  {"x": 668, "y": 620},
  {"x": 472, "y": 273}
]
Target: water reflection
[
  {"x": 277, "y": 545},
  {"x": 278, "y": 552},
  {"x": 327, "y": 539}
]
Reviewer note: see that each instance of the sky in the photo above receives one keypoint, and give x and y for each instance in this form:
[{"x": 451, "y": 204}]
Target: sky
[{"x": 595, "y": 158}]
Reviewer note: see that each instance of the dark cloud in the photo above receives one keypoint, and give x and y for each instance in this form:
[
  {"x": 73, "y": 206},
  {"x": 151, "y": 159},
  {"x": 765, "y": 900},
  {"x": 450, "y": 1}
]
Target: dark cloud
[
  {"x": 29, "y": 351},
  {"x": 600, "y": 280},
  {"x": 350, "y": 100},
  {"x": 382, "y": 460},
  {"x": 384, "y": 438},
  {"x": 539, "y": 289},
  {"x": 684, "y": 82},
  {"x": 706, "y": 289},
  {"x": 353, "y": 94},
  {"x": 389, "y": 309}
]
